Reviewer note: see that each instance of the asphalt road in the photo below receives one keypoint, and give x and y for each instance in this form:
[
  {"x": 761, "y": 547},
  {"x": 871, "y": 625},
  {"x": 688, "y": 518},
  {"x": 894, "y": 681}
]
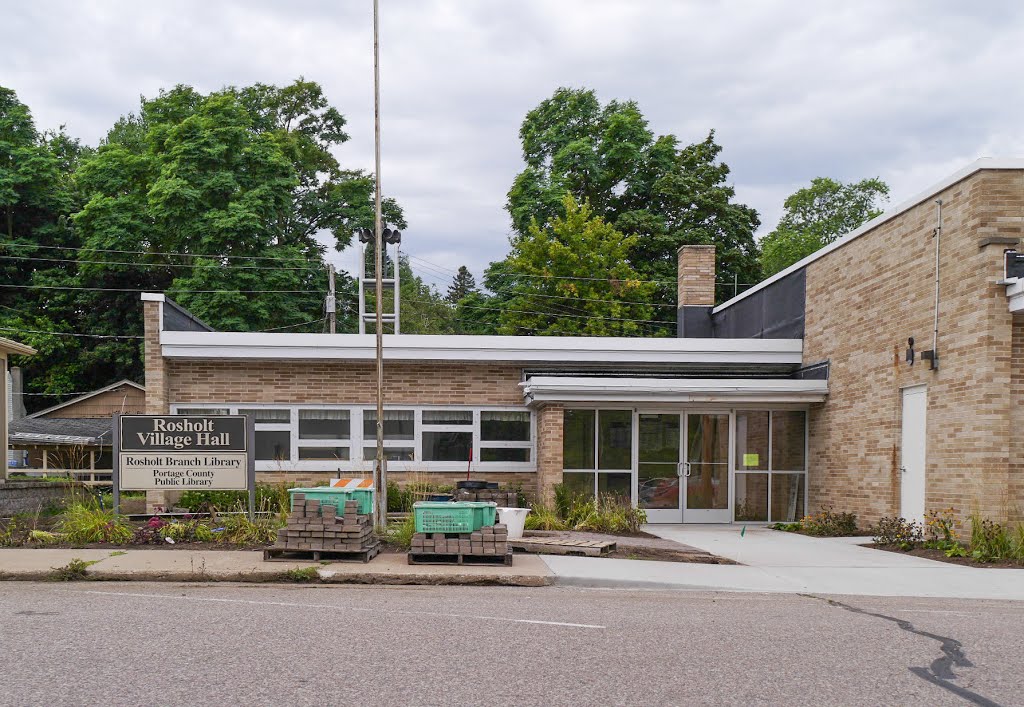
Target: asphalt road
[{"x": 166, "y": 644}]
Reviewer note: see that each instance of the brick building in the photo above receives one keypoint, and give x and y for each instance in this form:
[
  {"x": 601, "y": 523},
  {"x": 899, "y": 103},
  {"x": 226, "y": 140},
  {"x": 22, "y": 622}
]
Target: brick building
[{"x": 794, "y": 394}]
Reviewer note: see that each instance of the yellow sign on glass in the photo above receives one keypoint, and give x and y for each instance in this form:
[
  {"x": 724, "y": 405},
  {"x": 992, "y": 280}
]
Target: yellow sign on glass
[{"x": 751, "y": 459}]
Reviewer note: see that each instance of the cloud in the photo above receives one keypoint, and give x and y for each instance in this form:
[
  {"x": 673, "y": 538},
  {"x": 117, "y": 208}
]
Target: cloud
[{"x": 907, "y": 91}]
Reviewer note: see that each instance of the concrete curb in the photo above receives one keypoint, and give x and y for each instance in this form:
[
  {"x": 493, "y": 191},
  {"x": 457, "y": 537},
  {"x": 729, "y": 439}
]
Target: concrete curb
[{"x": 282, "y": 577}]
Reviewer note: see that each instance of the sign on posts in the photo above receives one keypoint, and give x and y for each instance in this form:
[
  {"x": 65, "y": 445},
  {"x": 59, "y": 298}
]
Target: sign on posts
[{"x": 184, "y": 453}]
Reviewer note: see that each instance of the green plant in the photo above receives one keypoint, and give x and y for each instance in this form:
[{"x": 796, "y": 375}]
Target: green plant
[
  {"x": 72, "y": 571},
  {"x": 187, "y": 531},
  {"x": 42, "y": 537},
  {"x": 898, "y": 532},
  {"x": 940, "y": 533},
  {"x": 544, "y": 517},
  {"x": 12, "y": 533},
  {"x": 828, "y": 523},
  {"x": 990, "y": 541},
  {"x": 302, "y": 574},
  {"x": 787, "y": 527},
  {"x": 400, "y": 532},
  {"x": 118, "y": 553},
  {"x": 238, "y": 529},
  {"x": 269, "y": 497},
  {"x": 86, "y": 522}
]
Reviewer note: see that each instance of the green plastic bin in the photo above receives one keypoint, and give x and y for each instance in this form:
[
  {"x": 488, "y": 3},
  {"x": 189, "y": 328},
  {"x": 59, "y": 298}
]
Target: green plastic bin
[
  {"x": 453, "y": 517},
  {"x": 336, "y": 497}
]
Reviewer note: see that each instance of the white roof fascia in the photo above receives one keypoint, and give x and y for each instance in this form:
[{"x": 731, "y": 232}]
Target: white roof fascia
[
  {"x": 80, "y": 398},
  {"x": 930, "y": 192},
  {"x": 489, "y": 349},
  {"x": 673, "y": 390}
]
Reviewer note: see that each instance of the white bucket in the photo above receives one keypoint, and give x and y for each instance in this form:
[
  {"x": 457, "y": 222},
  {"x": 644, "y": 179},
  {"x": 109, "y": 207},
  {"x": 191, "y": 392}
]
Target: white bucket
[{"x": 514, "y": 519}]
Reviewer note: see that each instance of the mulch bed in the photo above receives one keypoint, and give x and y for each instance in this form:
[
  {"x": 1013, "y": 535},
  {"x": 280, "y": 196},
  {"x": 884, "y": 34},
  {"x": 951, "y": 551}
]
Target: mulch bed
[{"x": 930, "y": 554}]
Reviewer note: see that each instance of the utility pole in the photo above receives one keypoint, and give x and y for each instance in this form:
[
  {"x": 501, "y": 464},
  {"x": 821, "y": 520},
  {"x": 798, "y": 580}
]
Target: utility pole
[
  {"x": 380, "y": 473},
  {"x": 332, "y": 301}
]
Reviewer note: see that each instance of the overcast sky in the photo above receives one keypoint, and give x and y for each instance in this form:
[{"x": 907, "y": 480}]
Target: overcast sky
[{"x": 908, "y": 91}]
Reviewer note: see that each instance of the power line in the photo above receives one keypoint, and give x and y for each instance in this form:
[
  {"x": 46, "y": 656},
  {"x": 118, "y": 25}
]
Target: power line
[
  {"x": 68, "y": 333},
  {"x": 551, "y": 314},
  {"x": 153, "y": 265},
  {"x": 128, "y": 289},
  {"x": 154, "y": 252}
]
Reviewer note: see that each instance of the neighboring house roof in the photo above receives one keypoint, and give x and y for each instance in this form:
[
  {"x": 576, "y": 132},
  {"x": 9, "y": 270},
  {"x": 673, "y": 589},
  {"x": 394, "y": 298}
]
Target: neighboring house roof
[
  {"x": 930, "y": 192},
  {"x": 62, "y": 430},
  {"x": 80, "y": 398},
  {"x": 13, "y": 347}
]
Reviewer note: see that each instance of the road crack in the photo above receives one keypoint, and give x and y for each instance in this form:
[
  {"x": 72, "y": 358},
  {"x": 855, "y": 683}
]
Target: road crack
[{"x": 940, "y": 671}]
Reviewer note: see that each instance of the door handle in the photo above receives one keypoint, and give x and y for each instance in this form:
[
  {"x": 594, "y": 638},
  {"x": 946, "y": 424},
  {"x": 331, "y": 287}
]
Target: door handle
[
  {"x": 686, "y": 466},
  {"x": 903, "y": 470}
]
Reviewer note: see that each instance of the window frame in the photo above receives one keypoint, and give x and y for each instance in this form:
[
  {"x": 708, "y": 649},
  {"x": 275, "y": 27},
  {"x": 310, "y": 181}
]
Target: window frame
[
  {"x": 358, "y": 440},
  {"x": 770, "y": 471}
]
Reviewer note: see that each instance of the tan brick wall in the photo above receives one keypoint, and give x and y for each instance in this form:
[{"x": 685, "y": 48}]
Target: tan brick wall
[
  {"x": 550, "y": 419},
  {"x": 863, "y": 301},
  {"x": 155, "y": 366},
  {"x": 696, "y": 282},
  {"x": 1015, "y": 499},
  {"x": 125, "y": 399},
  {"x": 342, "y": 382}
]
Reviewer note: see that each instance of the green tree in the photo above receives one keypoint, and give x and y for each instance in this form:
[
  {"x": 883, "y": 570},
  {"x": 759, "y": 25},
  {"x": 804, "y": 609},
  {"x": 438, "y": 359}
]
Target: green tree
[
  {"x": 641, "y": 184},
  {"x": 817, "y": 215},
  {"x": 477, "y": 313},
  {"x": 462, "y": 284},
  {"x": 217, "y": 200},
  {"x": 574, "y": 277}
]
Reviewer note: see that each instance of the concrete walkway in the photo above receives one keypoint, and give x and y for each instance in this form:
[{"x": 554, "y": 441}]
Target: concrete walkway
[
  {"x": 774, "y": 561},
  {"x": 248, "y": 566}
]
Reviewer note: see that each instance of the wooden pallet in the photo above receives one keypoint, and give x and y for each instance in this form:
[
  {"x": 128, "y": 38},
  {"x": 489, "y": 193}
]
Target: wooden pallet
[
  {"x": 430, "y": 558},
  {"x": 561, "y": 546},
  {"x": 280, "y": 554}
]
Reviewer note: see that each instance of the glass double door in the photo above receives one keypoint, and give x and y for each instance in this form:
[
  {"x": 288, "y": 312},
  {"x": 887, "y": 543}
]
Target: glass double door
[{"x": 683, "y": 467}]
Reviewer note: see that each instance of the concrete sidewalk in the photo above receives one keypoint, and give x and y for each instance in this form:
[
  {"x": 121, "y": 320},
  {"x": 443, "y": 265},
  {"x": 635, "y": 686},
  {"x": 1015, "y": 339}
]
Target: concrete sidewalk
[
  {"x": 248, "y": 566},
  {"x": 774, "y": 561}
]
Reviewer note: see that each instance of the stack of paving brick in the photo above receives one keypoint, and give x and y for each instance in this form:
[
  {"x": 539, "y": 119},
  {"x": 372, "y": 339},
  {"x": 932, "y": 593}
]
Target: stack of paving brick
[
  {"x": 505, "y": 499},
  {"x": 489, "y": 540},
  {"x": 313, "y": 526}
]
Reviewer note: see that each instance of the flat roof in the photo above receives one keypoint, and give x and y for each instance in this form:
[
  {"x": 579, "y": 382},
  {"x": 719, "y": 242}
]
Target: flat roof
[
  {"x": 483, "y": 349},
  {"x": 932, "y": 191},
  {"x": 674, "y": 390}
]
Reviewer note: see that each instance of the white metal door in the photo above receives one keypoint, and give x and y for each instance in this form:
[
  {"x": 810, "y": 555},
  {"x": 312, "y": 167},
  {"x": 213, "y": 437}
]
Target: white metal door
[{"x": 912, "y": 455}]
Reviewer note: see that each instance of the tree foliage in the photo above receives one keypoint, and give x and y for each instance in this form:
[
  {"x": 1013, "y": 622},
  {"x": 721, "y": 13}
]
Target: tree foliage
[
  {"x": 462, "y": 284},
  {"x": 639, "y": 183},
  {"x": 817, "y": 215},
  {"x": 214, "y": 198},
  {"x": 573, "y": 277}
]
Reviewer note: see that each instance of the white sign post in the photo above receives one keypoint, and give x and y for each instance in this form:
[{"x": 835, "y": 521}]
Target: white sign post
[{"x": 184, "y": 453}]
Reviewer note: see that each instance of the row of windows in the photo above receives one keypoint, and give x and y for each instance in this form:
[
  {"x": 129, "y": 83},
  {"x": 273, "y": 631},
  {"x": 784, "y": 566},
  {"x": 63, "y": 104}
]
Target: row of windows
[{"x": 324, "y": 435}]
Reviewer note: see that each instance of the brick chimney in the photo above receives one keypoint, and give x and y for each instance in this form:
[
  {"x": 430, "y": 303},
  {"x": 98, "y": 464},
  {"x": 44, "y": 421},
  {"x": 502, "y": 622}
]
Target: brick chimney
[{"x": 696, "y": 280}]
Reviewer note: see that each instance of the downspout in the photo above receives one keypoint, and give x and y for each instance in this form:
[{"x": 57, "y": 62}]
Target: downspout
[{"x": 935, "y": 330}]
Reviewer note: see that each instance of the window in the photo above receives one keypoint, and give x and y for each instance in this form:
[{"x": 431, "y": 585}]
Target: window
[
  {"x": 602, "y": 435},
  {"x": 273, "y": 445},
  {"x": 771, "y": 465},
  {"x": 505, "y": 436},
  {"x": 268, "y": 416},
  {"x": 344, "y": 438},
  {"x": 398, "y": 424},
  {"x": 202, "y": 411},
  {"x": 324, "y": 424},
  {"x": 333, "y": 453}
]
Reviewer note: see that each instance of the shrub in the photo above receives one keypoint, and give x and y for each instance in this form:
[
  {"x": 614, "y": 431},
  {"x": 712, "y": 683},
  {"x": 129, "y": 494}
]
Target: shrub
[
  {"x": 186, "y": 531},
  {"x": 400, "y": 533},
  {"x": 87, "y": 523},
  {"x": 544, "y": 517},
  {"x": 940, "y": 533},
  {"x": 989, "y": 540},
  {"x": 897, "y": 532},
  {"x": 787, "y": 527},
  {"x": 238, "y": 529},
  {"x": 828, "y": 523},
  {"x": 270, "y": 497}
]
